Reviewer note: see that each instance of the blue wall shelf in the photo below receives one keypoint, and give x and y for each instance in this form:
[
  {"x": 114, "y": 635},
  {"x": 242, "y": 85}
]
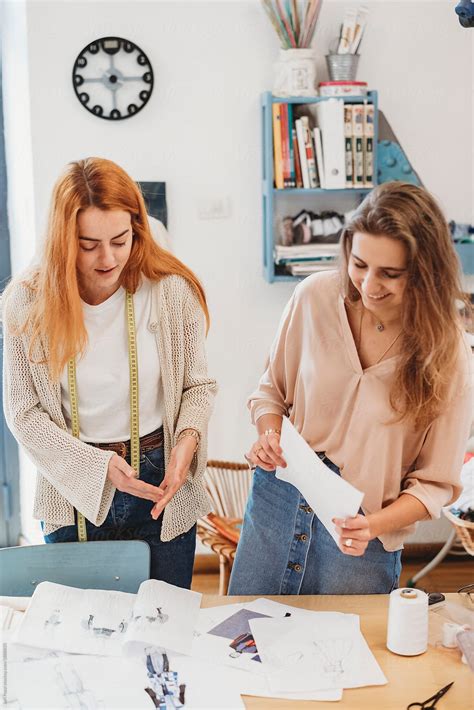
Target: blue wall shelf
[{"x": 271, "y": 196}]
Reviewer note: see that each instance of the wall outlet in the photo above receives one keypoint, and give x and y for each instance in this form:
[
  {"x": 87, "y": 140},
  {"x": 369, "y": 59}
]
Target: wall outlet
[{"x": 214, "y": 208}]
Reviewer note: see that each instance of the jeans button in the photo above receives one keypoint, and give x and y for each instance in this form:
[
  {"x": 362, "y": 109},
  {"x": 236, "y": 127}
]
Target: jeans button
[
  {"x": 303, "y": 537},
  {"x": 296, "y": 567}
]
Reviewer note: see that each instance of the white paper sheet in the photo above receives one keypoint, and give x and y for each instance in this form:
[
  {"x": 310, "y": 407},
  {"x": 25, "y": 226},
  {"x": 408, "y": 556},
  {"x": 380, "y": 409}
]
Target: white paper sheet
[
  {"x": 211, "y": 687},
  {"x": 328, "y": 651},
  {"x": 326, "y": 492},
  {"x": 81, "y": 681},
  {"x": 163, "y": 615},
  {"x": 218, "y": 628},
  {"x": 93, "y": 621},
  {"x": 208, "y": 687}
]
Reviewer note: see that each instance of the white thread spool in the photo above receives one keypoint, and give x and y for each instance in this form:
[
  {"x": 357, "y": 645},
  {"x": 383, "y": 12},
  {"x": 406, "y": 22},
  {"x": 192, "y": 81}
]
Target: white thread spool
[{"x": 407, "y": 629}]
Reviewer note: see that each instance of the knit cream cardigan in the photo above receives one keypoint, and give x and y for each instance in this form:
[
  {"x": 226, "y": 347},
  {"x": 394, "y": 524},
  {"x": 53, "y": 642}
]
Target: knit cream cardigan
[{"x": 73, "y": 474}]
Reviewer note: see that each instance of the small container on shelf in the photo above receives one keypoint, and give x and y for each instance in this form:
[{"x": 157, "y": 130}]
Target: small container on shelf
[
  {"x": 343, "y": 88},
  {"x": 342, "y": 67},
  {"x": 295, "y": 73}
]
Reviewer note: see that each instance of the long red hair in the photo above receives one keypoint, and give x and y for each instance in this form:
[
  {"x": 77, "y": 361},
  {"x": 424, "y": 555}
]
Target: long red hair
[{"x": 56, "y": 316}]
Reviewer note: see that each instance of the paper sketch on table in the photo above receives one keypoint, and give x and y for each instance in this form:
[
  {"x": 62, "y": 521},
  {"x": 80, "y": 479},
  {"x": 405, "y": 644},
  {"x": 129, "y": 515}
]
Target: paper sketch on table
[
  {"x": 327, "y": 651},
  {"x": 329, "y": 495},
  {"x": 9, "y": 618},
  {"x": 85, "y": 682},
  {"x": 91, "y": 626},
  {"x": 211, "y": 688},
  {"x": 223, "y": 634},
  {"x": 13, "y": 653},
  {"x": 110, "y": 623}
]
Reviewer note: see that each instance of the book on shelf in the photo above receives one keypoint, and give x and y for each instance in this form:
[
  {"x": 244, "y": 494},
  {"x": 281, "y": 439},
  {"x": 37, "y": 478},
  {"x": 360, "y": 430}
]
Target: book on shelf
[
  {"x": 277, "y": 154},
  {"x": 308, "y": 145},
  {"x": 296, "y": 154},
  {"x": 302, "y": 152},
  {"x": 308, "y": 268},
  {"x": 291, "y": 154},
  {"x": 348, "y": 145},
  {"x": 302, "y": 252},
  {"x": 285, "y": 155},
  {"x": 336, "y": 153},
  {"x": 368, "y": 145},
  {"x": 358, "y": 144},
  {"x": 318, "y": 148}
]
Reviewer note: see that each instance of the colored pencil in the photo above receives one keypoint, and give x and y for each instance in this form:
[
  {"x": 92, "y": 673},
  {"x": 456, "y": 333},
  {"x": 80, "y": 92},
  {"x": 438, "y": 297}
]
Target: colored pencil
[
  {"x": 294, "y": 29},
  {"x": 286, "y": 24},
  {"x": 268, "y": 7}
]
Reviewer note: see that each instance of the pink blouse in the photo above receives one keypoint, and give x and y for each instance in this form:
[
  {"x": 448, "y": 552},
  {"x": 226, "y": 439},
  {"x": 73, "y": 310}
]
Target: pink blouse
[{"x": 314, "y": 376}]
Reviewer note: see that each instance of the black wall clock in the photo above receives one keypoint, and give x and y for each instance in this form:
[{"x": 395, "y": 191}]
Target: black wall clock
[{"x": 112, "y": 78}]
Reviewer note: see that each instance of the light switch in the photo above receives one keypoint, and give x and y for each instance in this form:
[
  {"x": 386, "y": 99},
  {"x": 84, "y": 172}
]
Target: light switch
[{"x": 214, "y": 207}]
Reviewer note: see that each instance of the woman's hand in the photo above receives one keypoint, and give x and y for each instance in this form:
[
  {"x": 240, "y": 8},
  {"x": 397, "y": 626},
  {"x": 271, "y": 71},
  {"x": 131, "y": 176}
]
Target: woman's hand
[
  {"x": 266, "y": 452},
  {"x": 124, "y": 478},
  {"x": 354, "y": 534},
  {"x": 176, "y": 472}
]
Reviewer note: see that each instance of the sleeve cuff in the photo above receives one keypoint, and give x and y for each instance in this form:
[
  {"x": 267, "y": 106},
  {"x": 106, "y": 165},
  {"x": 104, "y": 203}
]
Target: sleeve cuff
[
  {"x": 444, "y": 495},
  {"x": 259, "y": 410}
]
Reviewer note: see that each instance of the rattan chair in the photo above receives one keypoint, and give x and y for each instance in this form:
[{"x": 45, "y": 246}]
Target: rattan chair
[{"x": 228, "y": 485}]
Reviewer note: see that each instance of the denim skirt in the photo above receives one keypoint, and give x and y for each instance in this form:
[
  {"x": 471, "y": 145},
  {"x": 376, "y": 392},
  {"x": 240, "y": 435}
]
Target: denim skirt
[
  {"x": 285, "y": 549},
  {"x": 129, "y": 519}
]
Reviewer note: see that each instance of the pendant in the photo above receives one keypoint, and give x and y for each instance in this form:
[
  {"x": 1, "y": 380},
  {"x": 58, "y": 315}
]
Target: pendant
[{"x": 380, "y": 327}]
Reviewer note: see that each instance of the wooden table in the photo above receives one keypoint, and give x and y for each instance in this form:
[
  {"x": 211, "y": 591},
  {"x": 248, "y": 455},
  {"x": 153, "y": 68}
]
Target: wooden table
[{"x": 410, "y": 678}]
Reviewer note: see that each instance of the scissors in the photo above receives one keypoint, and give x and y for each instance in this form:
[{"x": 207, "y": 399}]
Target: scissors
[{"x": 430, "y": 704}]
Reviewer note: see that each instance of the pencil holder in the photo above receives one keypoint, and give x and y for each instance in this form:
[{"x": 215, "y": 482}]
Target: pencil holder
[
  {"x": 342, "y": 67},
  {"x": 295, "y": 73}
]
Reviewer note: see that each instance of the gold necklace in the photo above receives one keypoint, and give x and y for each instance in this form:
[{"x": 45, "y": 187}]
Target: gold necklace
[{"x": 362, "y": 311}]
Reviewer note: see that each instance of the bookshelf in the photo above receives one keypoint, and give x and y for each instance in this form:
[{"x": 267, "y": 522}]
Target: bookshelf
[{"x": 278, "y": 202}]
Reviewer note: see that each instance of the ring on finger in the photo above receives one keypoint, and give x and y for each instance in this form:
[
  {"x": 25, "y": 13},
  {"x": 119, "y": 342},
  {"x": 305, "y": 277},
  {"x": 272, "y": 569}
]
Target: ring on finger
[
  {"x": 348, "y": 542},
  {"x": 257, "y": 450}
]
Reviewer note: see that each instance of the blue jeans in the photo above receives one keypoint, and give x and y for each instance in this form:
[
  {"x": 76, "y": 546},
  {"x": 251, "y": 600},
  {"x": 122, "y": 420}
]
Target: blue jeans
[
  {"x": 285, "y": 549},
  {"x": 129, "y": 519}
]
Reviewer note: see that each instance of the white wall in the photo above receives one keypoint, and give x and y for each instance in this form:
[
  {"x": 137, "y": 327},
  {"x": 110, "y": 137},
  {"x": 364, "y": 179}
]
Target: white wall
[{"x": 200, "y": 133}]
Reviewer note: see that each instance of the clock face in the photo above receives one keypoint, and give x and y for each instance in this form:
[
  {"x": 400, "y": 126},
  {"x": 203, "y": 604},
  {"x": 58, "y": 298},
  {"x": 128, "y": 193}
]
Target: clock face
[{"x": 112, "y": 78}]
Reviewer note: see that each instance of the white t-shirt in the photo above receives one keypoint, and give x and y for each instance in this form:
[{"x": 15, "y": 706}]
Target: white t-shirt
[{"x": 103, "y": 380}]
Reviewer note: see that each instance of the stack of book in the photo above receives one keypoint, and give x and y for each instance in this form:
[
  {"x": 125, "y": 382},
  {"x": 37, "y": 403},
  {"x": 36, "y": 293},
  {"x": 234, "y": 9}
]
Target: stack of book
[
  {"x": 335, "y": 154},
  {"x": 305, "y": 259}
]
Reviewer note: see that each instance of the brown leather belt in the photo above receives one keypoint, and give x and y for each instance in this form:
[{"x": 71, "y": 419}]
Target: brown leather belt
[{"x": 122, "y": 448}]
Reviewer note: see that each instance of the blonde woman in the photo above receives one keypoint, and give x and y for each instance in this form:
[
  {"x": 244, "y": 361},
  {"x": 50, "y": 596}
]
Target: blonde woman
[
  {"x": 371, "y": 366},
  {"x": 127, "y": 321}
]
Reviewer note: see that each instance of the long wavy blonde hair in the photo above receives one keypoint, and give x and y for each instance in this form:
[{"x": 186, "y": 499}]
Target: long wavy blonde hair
[
  {"x": 56, "y": 316},
  {"x": 431, "y": 324}
]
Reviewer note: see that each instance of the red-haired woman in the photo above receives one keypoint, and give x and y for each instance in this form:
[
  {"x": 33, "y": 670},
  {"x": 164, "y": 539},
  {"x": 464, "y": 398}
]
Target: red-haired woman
[
  {"x": 105, "y": 366},
  {"x": 372, "y": 369}
]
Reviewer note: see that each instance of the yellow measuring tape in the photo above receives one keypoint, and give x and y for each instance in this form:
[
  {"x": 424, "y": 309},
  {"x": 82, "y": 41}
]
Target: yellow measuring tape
[{"x": 134, "y": 424}]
